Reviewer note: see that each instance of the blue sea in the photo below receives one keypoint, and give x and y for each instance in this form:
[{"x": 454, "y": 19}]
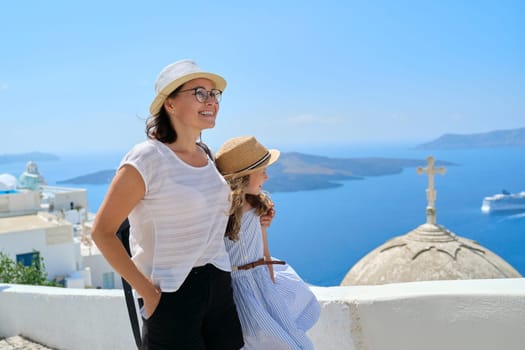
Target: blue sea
[{"x": 323, "y": 233}]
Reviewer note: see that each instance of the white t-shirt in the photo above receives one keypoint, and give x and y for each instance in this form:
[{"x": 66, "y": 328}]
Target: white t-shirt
[{"x": 180, "y": 222}]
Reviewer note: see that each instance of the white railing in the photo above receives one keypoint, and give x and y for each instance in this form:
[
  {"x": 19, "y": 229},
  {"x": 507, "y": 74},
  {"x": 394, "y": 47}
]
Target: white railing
[{"x": 437, "y": 315}]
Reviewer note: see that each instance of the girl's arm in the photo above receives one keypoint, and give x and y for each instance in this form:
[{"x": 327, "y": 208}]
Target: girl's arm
[
  {"x": 266, "y": 252},
  {"x": 124, "y": 193}
]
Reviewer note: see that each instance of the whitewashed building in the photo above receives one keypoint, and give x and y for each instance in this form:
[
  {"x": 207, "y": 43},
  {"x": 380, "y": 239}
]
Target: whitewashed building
[{"x": 39, "y": 221}]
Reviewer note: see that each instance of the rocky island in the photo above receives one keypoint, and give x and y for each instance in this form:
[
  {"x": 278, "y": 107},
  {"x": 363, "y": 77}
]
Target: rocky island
[
  {"x": 497, "y": 138},
  {"x": 301, "y": 172}
]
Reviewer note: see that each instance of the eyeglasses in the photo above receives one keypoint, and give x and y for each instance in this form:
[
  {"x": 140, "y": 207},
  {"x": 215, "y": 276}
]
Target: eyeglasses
[{"x": 201, "y": 94}]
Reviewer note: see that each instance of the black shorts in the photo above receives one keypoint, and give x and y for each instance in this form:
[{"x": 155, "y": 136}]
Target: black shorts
[{"x": 200, "y": 315}]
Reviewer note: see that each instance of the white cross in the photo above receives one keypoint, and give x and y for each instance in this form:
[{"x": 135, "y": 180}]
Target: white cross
[{"x": 431, "y": 192}]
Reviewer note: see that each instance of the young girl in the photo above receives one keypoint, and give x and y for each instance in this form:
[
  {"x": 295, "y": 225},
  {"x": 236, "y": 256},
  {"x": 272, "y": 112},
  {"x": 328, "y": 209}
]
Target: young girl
[{"x": 275, "y": 306}]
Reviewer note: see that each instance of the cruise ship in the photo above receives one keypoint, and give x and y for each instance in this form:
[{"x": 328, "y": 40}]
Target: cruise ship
[{"x": 504, "y": 201}]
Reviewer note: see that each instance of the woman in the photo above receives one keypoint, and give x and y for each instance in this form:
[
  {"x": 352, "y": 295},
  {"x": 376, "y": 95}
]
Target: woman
[{"x": 177, "y": 205}]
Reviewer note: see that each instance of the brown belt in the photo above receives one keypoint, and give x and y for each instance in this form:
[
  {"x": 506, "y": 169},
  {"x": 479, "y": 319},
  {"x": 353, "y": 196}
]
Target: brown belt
[{"x": 258, "y": 263}]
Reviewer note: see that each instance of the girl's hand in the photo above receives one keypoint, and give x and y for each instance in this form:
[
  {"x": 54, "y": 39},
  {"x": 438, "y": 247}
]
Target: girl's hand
[{"x": 266, "y": 219}]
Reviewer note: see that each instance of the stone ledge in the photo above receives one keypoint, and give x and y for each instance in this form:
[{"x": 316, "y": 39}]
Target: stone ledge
[
  {"x": 432, "y": 315},
  {"x": 20, "y": 343}
]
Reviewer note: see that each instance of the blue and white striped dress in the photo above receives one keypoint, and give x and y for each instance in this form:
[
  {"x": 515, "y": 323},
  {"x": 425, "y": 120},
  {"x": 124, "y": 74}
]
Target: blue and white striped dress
[{"x": 273, "y": 315}]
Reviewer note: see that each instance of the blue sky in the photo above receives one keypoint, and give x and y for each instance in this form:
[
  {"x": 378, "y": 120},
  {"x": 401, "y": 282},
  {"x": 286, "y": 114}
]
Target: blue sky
[{"x": 78, "y": 76}]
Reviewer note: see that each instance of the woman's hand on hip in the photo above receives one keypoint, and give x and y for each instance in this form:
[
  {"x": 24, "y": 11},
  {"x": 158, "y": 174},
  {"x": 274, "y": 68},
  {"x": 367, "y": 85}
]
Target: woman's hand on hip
[{"x": 152, "y": 300}]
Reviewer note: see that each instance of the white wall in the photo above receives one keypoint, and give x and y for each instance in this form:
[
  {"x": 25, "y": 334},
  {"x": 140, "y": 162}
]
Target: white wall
[
  {"x": 68, "y": 319},
  {"x": 438, "y": 315},
  {"x": 98, "y": 266},
  {"x": 64, "y": 196},
  {"x": 433, "y": 315},
  {"x": 59, "y": 259},
  {"x": 23, "y": 242},
  {"x": 20, "y": 203}
]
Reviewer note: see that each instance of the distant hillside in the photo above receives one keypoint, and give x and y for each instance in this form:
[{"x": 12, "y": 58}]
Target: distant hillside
[
  {"x": 26, "y": 157},
  {"x": 301, "y": 172},
  {"x": 97, "y": 178},
  {"x": 498, "y": 138}
]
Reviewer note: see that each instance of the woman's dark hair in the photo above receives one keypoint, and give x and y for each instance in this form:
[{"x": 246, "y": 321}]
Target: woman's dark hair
[{"x": 159, "y": 126}]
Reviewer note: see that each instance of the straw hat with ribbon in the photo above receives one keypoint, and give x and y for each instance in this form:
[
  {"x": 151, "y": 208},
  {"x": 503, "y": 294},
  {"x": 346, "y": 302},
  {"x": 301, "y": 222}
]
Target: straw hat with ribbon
[{"x": 243, "y": 155}]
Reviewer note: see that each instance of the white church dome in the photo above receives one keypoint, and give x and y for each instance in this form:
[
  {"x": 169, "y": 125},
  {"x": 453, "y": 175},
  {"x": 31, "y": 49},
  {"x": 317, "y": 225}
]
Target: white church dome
[
  {"x": 7, "y": 182},
  {"x": 429, "y": 252}
]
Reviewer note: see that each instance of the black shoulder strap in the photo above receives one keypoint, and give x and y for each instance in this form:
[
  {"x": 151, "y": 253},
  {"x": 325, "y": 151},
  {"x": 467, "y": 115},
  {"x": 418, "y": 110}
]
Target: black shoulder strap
[
  {"x": 123, "y": 235},
  {"x": 206, "y": 149}
]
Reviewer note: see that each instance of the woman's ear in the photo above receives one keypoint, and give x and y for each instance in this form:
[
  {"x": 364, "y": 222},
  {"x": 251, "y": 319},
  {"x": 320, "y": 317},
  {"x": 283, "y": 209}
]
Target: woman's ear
[{"x": 168, "y": 106}]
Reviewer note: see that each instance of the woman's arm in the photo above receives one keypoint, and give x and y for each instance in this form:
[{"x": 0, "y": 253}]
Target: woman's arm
[{"x": 124, "y": 193}]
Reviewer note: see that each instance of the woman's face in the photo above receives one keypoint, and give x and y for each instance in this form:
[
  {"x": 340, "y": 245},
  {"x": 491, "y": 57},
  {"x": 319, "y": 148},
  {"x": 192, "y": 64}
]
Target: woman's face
[
  {"x": 186, "y": 111},
  {"x": 256, "y": 181}
]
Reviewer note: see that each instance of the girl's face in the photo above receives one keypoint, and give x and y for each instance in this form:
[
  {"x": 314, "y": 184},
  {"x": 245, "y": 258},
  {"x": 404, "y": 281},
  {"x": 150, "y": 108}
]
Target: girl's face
[
  {"x": 256, "y": 181},
  {"x": 186, "y": 110}
]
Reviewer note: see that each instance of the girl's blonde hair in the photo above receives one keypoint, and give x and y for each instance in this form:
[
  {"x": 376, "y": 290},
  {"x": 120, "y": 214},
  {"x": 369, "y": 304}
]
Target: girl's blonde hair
[{"x": 261, "y": 202}]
